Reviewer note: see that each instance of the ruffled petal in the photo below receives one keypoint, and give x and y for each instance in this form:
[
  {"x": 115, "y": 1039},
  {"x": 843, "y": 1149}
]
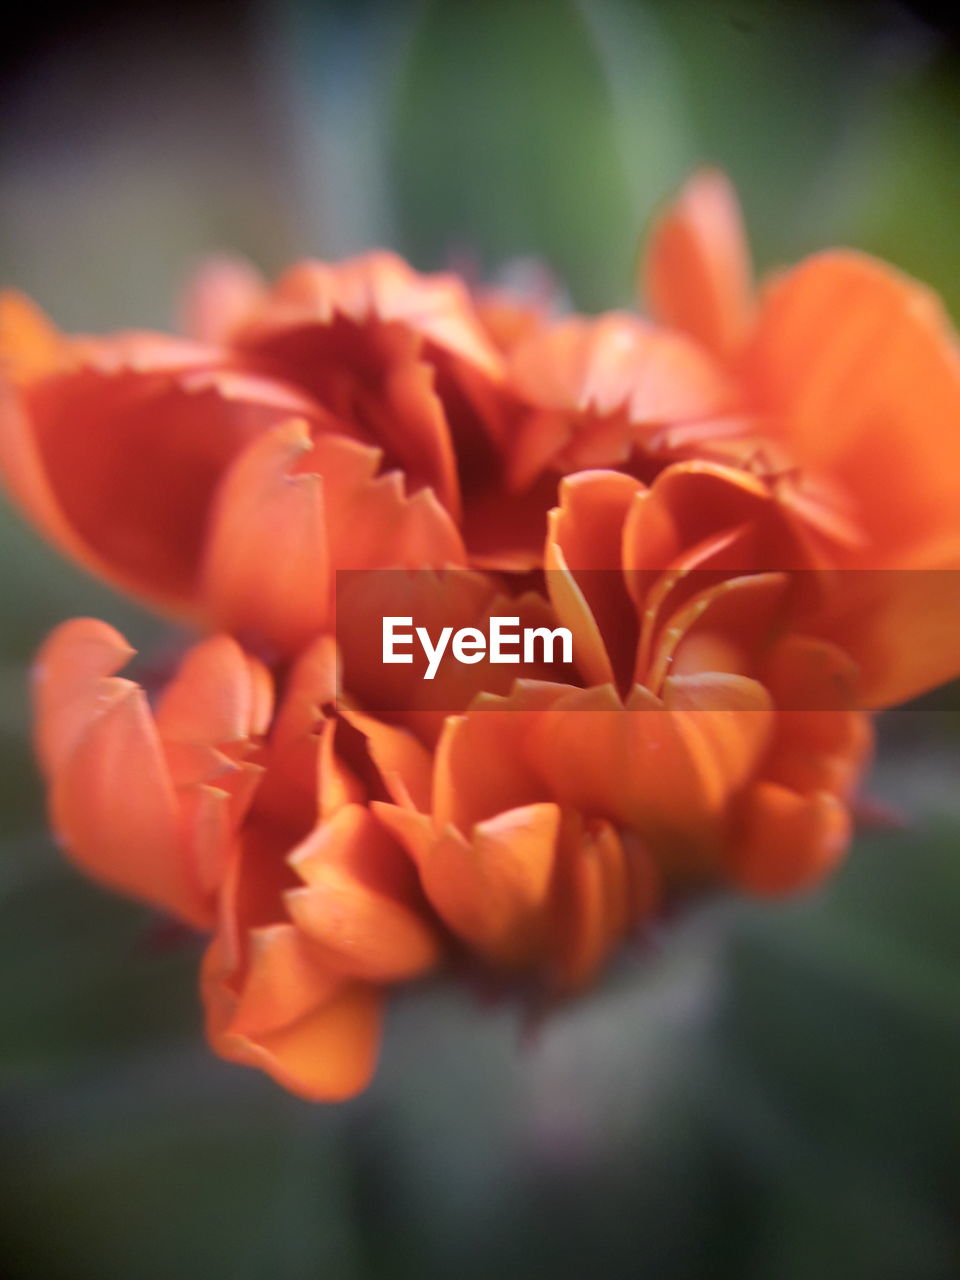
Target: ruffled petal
[{"x": 377, "y": 286}]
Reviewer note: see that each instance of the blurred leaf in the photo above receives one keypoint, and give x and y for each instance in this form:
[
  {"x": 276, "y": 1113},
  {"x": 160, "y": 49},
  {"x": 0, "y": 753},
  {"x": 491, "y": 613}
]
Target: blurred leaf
[
  {"x": 85, "y": 976},
  {"x": 838, "y": 1053},
  {"x": 40, "y": 589},
  {"x": 163, "y": 1172},
  {"x": 777, "y": 94},
  {"x": 511, "y": 138},
  {"x": 907, "y": 179}
]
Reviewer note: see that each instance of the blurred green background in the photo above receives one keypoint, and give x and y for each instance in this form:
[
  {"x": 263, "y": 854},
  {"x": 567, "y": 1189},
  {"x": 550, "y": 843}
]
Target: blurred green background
[{"x": 764, "y": 1093}]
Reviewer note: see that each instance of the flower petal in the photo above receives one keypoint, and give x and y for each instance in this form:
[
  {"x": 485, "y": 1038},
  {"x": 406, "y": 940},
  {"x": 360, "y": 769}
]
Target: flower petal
[
  {"x": 316, "y": 1035},
  {"x": 360, "y": 900},
  {"x": 267, "y": 571},
  {"x": 113, "y": 807},
  {"x": 788, "y": 841},
  {"x": 490, "y": 885},
  {"x": 116, "y": 454},
  {"x": 847, "y": 341},
  {"x": 219, "y": 695},
  {"x": 697, "y": 267}
]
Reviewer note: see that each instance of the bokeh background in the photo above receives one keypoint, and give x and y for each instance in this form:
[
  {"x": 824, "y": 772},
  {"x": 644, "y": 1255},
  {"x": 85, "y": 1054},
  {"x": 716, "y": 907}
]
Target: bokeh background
[{"x": 761, "y": 1093}]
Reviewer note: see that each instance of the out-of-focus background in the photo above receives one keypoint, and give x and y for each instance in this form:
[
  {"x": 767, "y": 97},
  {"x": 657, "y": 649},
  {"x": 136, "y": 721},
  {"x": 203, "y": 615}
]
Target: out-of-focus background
[{"x": 764, "y": 1093}]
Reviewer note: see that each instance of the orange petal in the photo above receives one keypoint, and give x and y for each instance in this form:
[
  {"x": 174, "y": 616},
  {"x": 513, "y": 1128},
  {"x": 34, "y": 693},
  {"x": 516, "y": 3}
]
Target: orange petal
[
  {"x": 688, "y": 503},
  {"x": 30, "y": 346},
  {"x": 583, "y": 559},
  {"x": 490, "y": 885},
  {"x": 665, "y": 774},
  {"x": 219, "y": 297},
  {"x": 727, "y": 721},
  {"x": 405, "y": 766},
  {"x": 267, "y": 572},
  {"x": 311, "y": 685},
  {"x": 900, "y": 625},
  {"x": 847, "y": 341},
  {"x": 360, "y": 901},
  {"x": 70, "y": 678},
  {"x": 730, "y": 625},
  {"x": 113, "y": 807},
  {"x": 788, "y": 841},
  {"x": 822, "y": 741},
  {"x": 328, "y": 1056},
  {"x": 179, "y": 855},
  {"x": 618, "y": 363},
  {"x": 594, "y": 903},
  {"x": 116, "y": 456},
  {"x": 481, "y": 764},
  {"x": 316, "y": 1036},
  {"x": 218, "y": 695},
  {"x": 697, "y": 267}
]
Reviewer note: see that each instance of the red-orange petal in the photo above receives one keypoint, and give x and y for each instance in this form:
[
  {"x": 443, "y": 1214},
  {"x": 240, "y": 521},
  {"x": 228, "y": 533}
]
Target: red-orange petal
[
  {"x": 220, "y": 295},
  {"x": 115, "y": 455}
]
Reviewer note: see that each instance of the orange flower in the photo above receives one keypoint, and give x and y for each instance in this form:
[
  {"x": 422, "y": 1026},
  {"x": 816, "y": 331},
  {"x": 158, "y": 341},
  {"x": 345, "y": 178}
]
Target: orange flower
[
  {"x": 334, "y": 854},
  {"x": 743, "y": 512},
  {"x": 228, "y": 480}
]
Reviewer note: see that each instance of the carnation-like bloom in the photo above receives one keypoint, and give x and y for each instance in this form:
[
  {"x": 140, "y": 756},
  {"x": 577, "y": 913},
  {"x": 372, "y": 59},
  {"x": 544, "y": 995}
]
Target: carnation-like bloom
[{"x": 742, "y": 511}]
